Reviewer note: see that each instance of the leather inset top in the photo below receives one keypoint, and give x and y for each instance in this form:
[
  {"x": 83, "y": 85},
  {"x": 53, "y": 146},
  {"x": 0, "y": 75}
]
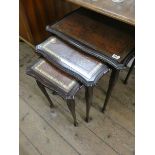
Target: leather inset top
[
  {"x": 106, "y": 35},
  {"x": 71, "y": 59},
  {"x": 58, "y": 78}
]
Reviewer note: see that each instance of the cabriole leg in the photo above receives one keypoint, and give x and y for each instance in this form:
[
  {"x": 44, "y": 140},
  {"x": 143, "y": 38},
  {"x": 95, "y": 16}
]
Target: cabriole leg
[
  {"x": 112, "y": 81},
  {"x": 42, "y": 88},
  {"x": 129, "y": 72},
  {"x": 89, "y": 98},
  {"x": 71, "y": 106}
]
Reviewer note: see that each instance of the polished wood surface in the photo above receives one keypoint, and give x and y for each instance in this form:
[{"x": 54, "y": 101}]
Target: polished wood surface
[
  {"x": 45, "y": 130},
  {"x": 36, "y": 14},
  {"x": 109, "y": 37},
  {"x": 24, "y": 29},
  {"x": 48, "y": 76},
  {"x": 82, "y": 66},
  {"x": 109, "y": 40},
  {"x": 53, "y": 78},
  {"x": 124, "y": 11}
]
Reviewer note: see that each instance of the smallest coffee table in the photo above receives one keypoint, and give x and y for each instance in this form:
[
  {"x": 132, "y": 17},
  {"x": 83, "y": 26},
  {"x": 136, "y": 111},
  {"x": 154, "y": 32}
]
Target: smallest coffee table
[{"x": 59, "y": 82}]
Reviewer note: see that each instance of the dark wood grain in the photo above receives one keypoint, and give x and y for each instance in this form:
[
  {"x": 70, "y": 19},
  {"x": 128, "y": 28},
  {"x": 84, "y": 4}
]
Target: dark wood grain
[
  {"x": 124, "y": 11},
  {"x": 97, "y": 35},
  {"x": 107, "y": 39},
  {"x": 24, "y": 29},
  {"x": 36, "y": 14}
]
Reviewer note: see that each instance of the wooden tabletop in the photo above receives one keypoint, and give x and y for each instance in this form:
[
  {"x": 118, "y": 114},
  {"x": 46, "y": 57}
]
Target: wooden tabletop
[{"x": 124, "y": 11}]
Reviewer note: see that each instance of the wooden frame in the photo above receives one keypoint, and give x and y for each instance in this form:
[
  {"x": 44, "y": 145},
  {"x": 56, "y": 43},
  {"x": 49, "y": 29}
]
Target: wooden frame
[
  {"x": 86, "y": 47},
  {"x": 51, "y": 86},
  {"x": 69, "y": 97},
  {"x": 112, "y": 63},
  {"x": 58, "y": 63}
]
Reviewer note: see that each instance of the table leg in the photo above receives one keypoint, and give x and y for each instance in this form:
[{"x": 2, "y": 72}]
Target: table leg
[
  {"x": 130, "y": 70},
  {"x": 71, "y": 106},
  {"x": 89, "y": 98},
  {"x": 42, "y": 88},
  {"x": 112, "y": 81}
]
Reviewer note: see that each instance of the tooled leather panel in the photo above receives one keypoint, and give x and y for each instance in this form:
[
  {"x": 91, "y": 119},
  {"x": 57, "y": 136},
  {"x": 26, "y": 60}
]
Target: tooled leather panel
[
  {"x": 106, "y": 35},
  {"x": 82, "y": 64},
  {"x": 54, "y": 75}
]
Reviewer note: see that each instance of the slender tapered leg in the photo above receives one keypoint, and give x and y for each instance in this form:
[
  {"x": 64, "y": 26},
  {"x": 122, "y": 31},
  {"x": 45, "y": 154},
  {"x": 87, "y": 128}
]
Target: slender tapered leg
[
  {"x": 89, "y": 98},
  {"x": 129, "y": 72},
  {"x": 112, "y": 81},
  {"x": 42, "y": 88},
  {"x": 71, "y": 106}
]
